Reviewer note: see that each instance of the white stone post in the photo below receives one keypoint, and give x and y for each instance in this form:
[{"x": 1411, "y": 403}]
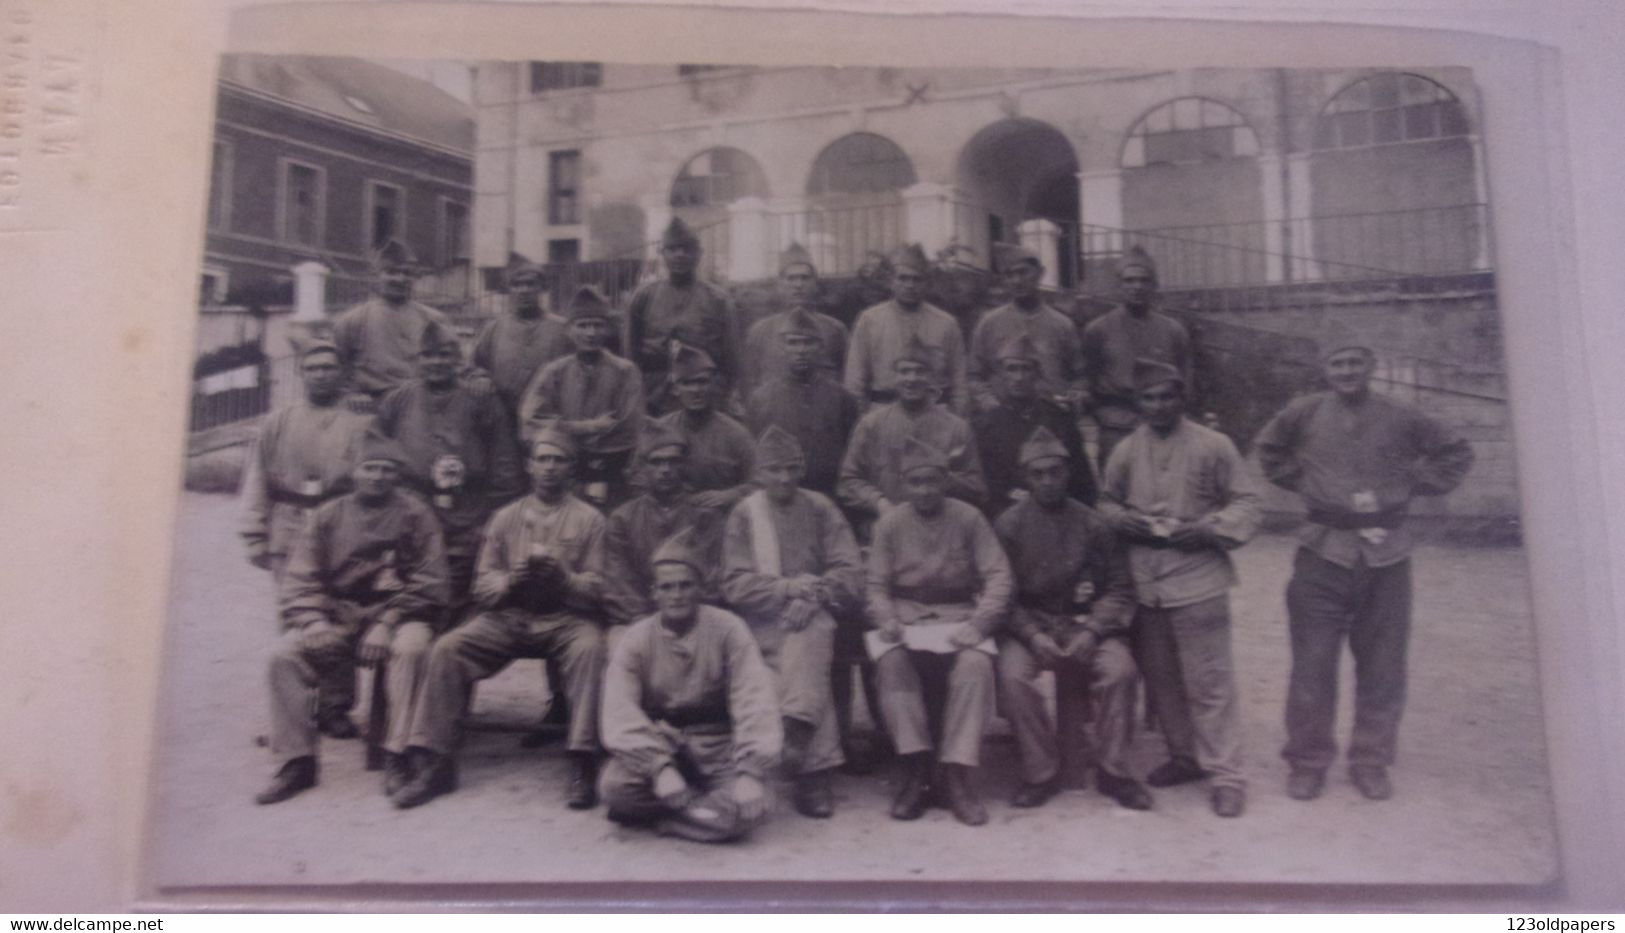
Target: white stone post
[
  {"x": 1486, "y": 248},
  {"x": 748, "y": 241},
  {"x": 1301, "y": 195},
  {"x": 928, "y": 216},
  {"x": 1100, "y": 212},
  {"x": 310, "y": 292},
  {"x": 1275, "y": 216},
  {"x": 1044, "y": 238}
]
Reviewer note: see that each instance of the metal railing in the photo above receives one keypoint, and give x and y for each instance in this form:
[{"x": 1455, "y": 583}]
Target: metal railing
[
  {"x": 840, "y": 238},
  {"x": 243, "y": 393}
]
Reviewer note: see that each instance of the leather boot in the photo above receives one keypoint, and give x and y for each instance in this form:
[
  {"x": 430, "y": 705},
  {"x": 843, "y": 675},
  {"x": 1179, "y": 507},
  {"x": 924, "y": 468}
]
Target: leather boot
[
  {"x": 397, "y": 772},
  {"x": 1175, "y": 771},
  {"x": 298, "y": 774},
  {"x": 1128, "y": 793},
  {"x": 910, "y": 802},
  {"x": 583, "y": 791},
  {"x": 798, "y": 735},
  {"x": 813, "y": 798},
  {"x": 963, "y": 799},
  {"x": 434, "y": 774}
]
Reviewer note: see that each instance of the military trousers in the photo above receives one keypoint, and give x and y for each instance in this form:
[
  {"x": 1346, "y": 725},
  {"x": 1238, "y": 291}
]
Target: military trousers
[
  {"x": 1093, "y": 696},
  {"x": 1370, "y": 607},
  {"x": 1184, "y": 656},
  {"x": 800, "y": 661},
  {"x": 489, "y": 642},
  {"x": 961, "y": 692},
  {"x": 296, "y": 672},
  {"x": 335, "y": 693},
  {"x": 705, "y": 759}
]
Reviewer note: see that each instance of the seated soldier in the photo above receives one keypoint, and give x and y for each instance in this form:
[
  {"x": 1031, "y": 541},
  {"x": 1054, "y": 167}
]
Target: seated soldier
[
  {"x": 460, "y": 451},
  {"x": 1074, "y": 606},
  {"x": 871, "y": 481},
  {"x": 690, "y": 719},
  {"x": 938, "y": 586},
  {"x": 789, "y": 560},
  {"x": 718, "y": 467},
  {"x": 639, "y": 527},
  {"x": 539, "y": 586},
  {"x": 1003, "y": 427},
  {"x": 366, "y": 582},
  {"x": 594, "y": 397}
]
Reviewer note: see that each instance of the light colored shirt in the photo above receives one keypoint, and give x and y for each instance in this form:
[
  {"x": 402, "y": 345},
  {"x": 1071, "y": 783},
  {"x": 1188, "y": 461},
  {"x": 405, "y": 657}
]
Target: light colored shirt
[
  {"x": 1194, "y": 474},
  {"x": 302, "y": 455},
  {"x": 378, "y": 343},
  {"x": 712, "y": 671},
  {"x": 812, "y": 538},
  {"x": 572, "y": 533},
  {"x": 1328, "y": 451},
  {"x": 873, "y": 471},
  {"x": 880, "y": 336},
  {"x": 950, "y": 559}
]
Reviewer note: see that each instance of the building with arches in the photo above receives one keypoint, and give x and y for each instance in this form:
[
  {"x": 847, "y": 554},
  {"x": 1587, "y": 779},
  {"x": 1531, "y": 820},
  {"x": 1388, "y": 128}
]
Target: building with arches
[{"x": 1232, "y": 177}]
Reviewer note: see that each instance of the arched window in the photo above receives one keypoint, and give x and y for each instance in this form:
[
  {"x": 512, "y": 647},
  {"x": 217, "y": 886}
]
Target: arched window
[
  {"x": 1188, "y": 130},
  {"x": 717, "y": 177},
  {"x": 1389, "y": 108},
  {"x": 860, "y": 163}
]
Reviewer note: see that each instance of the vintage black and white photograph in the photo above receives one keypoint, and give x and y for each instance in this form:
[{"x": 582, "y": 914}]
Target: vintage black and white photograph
[{"x": 619, "y": 473}]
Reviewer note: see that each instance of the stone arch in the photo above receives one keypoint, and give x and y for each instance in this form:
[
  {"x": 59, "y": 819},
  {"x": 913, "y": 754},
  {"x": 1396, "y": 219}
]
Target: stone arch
[{"x": 1013, "y": 171}]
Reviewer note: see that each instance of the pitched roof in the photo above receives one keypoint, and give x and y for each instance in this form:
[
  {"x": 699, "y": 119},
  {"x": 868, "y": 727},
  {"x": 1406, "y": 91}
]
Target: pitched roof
[{"x": 358, "y": 92}]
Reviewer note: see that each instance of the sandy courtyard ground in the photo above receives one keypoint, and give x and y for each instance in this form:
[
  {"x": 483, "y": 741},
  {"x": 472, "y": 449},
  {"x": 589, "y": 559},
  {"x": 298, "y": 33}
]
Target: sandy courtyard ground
[{"x": 1472, "y": 805}]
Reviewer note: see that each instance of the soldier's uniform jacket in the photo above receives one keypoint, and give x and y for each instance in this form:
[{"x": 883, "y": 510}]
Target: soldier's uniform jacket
[
  {"x": 301, "y": 458},
  {"x": 1068, "y": 564},
  {"x": 378, "y": 344}
]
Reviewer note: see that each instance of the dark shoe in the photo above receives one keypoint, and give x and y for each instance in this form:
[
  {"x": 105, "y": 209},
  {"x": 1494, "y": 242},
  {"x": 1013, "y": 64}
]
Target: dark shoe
[
  {"x": 798, "y": 735},
  {"x": 1175, "y": 771},
  {"x": 435, "y": 774},
  {"x": 963, "y": 799},
  {"x": 813, "y": 797},
  {"x": 337, "y": 726},
  {"x": 298, "y": 774},
  {"x": 911, "y": 799},
  {"x": 583, "y": 791},
  {"x": 397, "y": 772},
  {"x": 1229, "y": 802},
  {"x": 1305, "y": 783},
  {"x": 1129, "y": 793},
  {"x": 1035, "y": 795},
  {"x": 1371, "y": 781}
]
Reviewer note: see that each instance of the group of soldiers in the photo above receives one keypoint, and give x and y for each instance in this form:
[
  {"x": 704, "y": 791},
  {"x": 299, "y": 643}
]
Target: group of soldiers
[{"x": 707, "y": 531}]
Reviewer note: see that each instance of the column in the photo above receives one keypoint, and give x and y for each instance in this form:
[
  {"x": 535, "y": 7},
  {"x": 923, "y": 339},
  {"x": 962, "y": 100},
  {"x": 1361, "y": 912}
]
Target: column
[
  {"x": 928, "y": 216},
  {"x": 310, "y": 292},
  {"x": 1044, "y": 238},
  {"x": 1485, "y": 258},
  {"x": 1275, "y": 217},
  {"x": 1100, "y": 213},
  {"x": 748, "y": 244},
  {"x": 1300, "y": 195}
]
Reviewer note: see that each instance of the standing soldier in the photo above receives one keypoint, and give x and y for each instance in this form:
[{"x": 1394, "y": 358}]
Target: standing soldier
[
  {"x": 638, "y": 528},
  {"x": 690, "y": 719},
  {"x": 594, "y": 397},
  {"x": 718, "y": 467},
  {"x": 938, "y": 586},
  {"x": 766, "y": 354},
  {"x": 1018, "y": 408},
  {"x": 378, "y": 339},
  {"x": 1357, "y": 459},
  {"x": 460, "y": 452},
  {"x": 789, "y": 562},
  {"x": 367, "y": 583},
  {"x": 680, "y": 308},
  {"x": 1053, "y": 335},
  {"x": 802, "y": 398},
  {"x": 1180, "y": 496},
  {"x": 1074, "y": 608},
  {"x": 885, "y": 330},
  {"x": 302, "y": 458},
  {"x": 539, "y": 586},
  {"x": 1134, "y": 330},
  {"x": 513, "y": 348},
  {"x": 871, "y": 481}
]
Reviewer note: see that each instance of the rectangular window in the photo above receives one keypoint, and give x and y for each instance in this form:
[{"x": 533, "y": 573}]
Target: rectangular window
[
  {"x": 564, "y": 187},
  {"x": 559, "y": 76},
  {"x": 220, "y": 187},
  {"x": 214, "y": 285},
  {"x": 453, "y": 232},
  {"x": 303, "y": 203},
  {"x": 386, "y": 213}
]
